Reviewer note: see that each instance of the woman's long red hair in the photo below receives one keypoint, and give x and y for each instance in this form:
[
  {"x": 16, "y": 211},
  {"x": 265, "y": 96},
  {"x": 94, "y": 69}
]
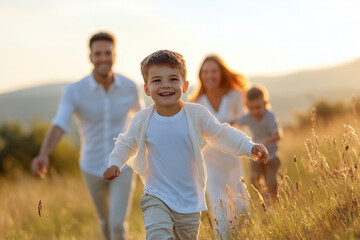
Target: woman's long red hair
[{"x": 229, "y": 79}]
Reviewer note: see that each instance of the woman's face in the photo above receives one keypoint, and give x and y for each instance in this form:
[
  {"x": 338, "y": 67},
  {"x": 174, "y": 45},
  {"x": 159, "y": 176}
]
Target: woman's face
[{"x": 210, "y": 75}]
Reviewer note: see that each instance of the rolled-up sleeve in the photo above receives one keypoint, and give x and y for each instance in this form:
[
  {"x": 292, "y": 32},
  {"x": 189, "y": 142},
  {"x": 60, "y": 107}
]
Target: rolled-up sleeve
[{"x": 65, "y": 109}]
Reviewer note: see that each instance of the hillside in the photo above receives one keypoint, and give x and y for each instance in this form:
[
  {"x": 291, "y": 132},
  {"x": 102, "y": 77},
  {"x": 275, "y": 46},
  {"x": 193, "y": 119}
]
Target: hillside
[
  {"x": 296, "y": 91},
  {"x": 288, "y": 93}
]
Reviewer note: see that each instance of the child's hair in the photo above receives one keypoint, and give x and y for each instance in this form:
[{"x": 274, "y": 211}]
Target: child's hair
[
  {"x": 101, "y": 36},
  {"x": 163, "y": 57},
  {"x": 229, "y": 79},
  {"x": 257, "y": 92}
]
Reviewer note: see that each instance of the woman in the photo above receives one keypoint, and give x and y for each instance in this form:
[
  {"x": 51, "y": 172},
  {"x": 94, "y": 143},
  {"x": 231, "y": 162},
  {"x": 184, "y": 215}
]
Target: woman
[{"x": 221, "y": 92}]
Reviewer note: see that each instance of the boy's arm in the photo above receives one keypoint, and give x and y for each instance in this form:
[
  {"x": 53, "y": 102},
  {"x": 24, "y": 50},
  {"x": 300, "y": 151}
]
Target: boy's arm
[
  {"x": 276, "y": 132},
  {"x": 125, "y": 147},
  {"x": 228, "y": 139}
]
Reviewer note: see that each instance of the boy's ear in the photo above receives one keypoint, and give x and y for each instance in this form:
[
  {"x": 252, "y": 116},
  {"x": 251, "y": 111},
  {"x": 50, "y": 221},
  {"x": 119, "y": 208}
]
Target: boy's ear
[
  {"x": 185, "y": 86},
  {"x": 146, "y": 89}
]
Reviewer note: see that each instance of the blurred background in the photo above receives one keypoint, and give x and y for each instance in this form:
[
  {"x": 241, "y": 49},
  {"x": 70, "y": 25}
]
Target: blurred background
[
  {"x": 302, "y": 51},
  {"x": 307, "y": 53}
]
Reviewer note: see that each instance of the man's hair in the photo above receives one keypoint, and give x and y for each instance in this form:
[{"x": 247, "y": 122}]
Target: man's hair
[
  {"x": 101, "y": 36},
  {"x": 257, "y": 92},
  {"x": 163, "y": 57}
]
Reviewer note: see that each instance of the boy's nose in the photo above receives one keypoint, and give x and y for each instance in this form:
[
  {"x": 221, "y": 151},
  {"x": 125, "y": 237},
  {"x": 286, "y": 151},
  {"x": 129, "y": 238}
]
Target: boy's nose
[{"x": 165, "y": 85}]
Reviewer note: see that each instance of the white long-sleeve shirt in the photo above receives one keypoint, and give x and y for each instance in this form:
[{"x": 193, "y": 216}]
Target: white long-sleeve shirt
[
  {"x": 100, "y": 115},
  {"x": 173, "y": 174},
  {"x": 203, "y": 128}
]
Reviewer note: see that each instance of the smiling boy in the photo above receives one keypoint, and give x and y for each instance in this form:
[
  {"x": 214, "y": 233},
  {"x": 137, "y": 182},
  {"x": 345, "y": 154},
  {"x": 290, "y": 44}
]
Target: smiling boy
[{"x": 168, "y": 137}]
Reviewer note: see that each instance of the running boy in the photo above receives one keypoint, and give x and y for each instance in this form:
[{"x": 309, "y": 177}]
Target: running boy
[
  {"x": 265, "y": 130},
  {"x": 168, "y": 137}
]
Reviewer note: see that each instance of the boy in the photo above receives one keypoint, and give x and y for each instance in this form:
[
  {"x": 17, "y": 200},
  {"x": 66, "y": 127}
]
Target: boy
[
  {"x": 265, "y": 129},
  {"x": 168, "y": 137}
]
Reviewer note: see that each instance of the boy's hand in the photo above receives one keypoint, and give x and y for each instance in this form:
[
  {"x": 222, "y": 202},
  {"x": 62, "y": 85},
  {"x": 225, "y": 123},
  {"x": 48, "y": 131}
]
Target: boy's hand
[
  {"x": 111, "y": 172},
  {"x": 260, "y": 153}
]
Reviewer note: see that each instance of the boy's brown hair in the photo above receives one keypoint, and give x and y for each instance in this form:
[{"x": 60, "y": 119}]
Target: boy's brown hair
[
  {"x": 257, "y": 92},
  {"x": 163, "y": 57},
  {"x": 101, "y": 36}
]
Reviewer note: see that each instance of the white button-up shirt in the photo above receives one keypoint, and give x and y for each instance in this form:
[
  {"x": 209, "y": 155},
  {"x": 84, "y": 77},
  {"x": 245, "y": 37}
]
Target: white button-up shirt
[{"x": 101, "y": 115}]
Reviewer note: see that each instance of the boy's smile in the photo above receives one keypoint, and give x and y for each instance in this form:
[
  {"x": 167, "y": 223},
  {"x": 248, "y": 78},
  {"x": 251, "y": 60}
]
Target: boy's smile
[{"x": 165, "y": 85}]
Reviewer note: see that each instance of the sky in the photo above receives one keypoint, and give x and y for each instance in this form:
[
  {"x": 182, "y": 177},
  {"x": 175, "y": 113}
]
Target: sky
[{"x": 46, "y": 41}]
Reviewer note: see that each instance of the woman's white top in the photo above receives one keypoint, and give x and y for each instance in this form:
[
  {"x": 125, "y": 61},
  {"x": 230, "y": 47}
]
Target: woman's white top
[{"x": 230, "y": 109}]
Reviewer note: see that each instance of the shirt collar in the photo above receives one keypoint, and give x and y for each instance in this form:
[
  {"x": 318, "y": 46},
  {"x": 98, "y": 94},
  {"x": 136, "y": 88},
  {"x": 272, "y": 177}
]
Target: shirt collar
[
  {"x": 117, "y": 80},
  {"x": 95, "y": 85}
]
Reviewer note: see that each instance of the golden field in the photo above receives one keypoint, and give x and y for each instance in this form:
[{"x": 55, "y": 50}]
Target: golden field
[{"x": 319, "y": 194}]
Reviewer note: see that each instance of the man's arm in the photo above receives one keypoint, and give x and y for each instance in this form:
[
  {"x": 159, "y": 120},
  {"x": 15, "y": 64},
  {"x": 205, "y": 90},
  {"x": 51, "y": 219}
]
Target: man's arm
[{"x": 40, "y": 163}]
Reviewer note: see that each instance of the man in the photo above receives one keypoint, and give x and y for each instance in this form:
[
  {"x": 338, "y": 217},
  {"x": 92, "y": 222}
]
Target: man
[{"x": 103, "y": 102}]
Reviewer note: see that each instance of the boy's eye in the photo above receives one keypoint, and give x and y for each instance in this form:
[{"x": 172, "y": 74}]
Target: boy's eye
[
  {"x": 156, "y": 80},
  {"x": 174, "y": 79}
]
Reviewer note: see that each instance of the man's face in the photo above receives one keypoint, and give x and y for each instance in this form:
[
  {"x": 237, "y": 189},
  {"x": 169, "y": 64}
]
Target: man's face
[
  {"x": 257, "y": 108},
  {"x": 102, "y": 57}
]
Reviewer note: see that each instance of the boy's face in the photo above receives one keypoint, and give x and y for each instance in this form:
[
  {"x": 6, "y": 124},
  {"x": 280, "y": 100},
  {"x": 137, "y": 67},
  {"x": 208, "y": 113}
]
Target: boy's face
[
  {"x": 165, "y": 85},
  {"x": 257, "y": 107}
]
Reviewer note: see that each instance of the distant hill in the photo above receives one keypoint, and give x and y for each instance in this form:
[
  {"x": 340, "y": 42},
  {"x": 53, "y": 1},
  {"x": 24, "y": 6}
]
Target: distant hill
[
  {"x": 27, "y": 104},
  {"x": 288, "y": 93},
  {"x": 299, "y": 90}
]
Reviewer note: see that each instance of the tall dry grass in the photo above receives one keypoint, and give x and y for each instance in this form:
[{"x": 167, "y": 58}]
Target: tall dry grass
[
  {"x": 319, "y": 196},
  {"x": 66, "y": 210},
  {"x": 319, "y": 189}
]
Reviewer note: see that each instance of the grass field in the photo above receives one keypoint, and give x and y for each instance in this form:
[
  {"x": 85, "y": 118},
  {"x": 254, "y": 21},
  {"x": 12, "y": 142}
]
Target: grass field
[{"x": 319, "y": 194}]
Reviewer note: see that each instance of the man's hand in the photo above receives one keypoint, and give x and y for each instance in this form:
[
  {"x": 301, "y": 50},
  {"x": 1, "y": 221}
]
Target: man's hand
[
  {"x": 260, "y": 153},
  {"x": 111, "y": 172},
  {"x": 39, "y": 165}
]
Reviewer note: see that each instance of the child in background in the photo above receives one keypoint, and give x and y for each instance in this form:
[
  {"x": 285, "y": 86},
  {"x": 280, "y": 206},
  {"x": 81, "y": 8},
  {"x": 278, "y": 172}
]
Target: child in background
[
  {"x": 168, "y": 137},
  {"x": 265, "y": 130}
]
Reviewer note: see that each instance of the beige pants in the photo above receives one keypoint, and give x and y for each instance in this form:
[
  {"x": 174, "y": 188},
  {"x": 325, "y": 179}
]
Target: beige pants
[
  {"x": 162, "y": 223},
  {"x": 111, "y": 200}
]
